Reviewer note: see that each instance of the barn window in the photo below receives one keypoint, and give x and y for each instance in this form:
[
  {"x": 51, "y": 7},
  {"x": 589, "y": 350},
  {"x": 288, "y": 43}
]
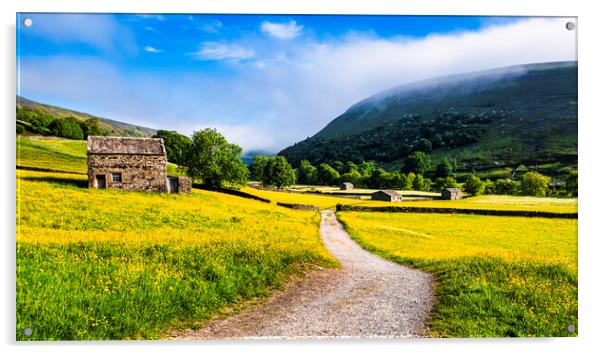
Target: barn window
[{"x": 116, "y": 177}]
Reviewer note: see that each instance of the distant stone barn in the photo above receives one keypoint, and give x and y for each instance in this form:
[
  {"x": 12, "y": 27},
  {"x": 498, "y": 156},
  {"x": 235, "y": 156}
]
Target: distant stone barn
[
  {"x": 387, "y": 196},
  {"x": 346, "y": 186},
  {"x": 451, "y": 194},
  {"x": 133, "y": 164}
]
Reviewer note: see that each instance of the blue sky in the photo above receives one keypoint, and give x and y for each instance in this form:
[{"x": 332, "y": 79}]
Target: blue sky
[{"x": 264, "y": 81}]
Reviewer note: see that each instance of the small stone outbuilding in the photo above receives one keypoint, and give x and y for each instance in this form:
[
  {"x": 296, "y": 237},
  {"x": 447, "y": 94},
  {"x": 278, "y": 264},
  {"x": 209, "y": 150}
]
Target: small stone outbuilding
[
  {"x": 387, "y": 196},
  {"x": 346, "y": 186},
  {"x": 133, "y": 164},
  {"x": 451, "y": 194}
]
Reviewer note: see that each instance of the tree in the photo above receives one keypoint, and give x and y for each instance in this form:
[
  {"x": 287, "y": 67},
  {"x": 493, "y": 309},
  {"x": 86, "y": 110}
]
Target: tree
[
  {"x": 306, "y": 173},
  {"x": 410, "y": 183},
  {"x": 278, "y": 172},
  {"x": 418, "y": 162},
  {"x": 506, "y": 186},
  {"x": 91, "y": 127},
  {"x": 366, "y": 168},
  {"x": 339, "y": 166},
  {"x": 535, "y": 184},
  {"x": 424, "y": 145},
  {"x": 327, "y": 175},
  {"x": 418, "y": 183},
  {"x": 353, "y": 176},
  {"x": 68, "y": 128},
  {"x": 445, "y": 168},
  {"x": 176, "y": 145},
  {"x": 443, "y": 183},
  {"x": 258, "y": 167},
  {"x": 351, "y": 166},
  {"x": 572, "y": 186},
  {"x": 214, "y": 161},
  {"x": 404, "y": 182},
  {"x": 474, "y": 185}
]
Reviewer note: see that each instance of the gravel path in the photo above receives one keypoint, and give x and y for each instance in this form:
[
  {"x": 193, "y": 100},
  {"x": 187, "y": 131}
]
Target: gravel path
[{"x": 369, "y": 297}]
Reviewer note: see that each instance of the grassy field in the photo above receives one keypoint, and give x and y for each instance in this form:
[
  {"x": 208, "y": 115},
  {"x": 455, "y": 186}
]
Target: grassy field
[
  {"x": 107, "y": 264},
  {"x": 54, "y": 154},
  {"x": 495, "y": 202},
  {"x": 496, "y": 276}
]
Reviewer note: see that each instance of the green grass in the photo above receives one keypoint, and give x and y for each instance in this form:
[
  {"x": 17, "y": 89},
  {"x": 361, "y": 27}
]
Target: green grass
[
  {"x": 108, "y": 264},
  {"x": 496, "y": 276},
  {"x": 55, "y": 154}
]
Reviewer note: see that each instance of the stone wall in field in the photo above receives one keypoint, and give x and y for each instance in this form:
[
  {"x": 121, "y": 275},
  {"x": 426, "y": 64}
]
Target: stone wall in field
[
  {"x": 299, "y": 206},
  {"x": 400, "y": 209}
]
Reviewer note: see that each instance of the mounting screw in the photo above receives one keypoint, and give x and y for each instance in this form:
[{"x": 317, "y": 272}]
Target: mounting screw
[
  {"x": 571, "y": 328},
  {"x": 570, "y": 25},
  {"x": 27, "y": 332},
  {"x": 27, "y": 22}
]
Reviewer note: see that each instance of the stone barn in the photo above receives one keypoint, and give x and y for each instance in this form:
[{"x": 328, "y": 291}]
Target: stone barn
[
  {"x": 133, "y": 164},
  {"x": 387, "y": 196},
  {"x": 451, "y": 194},
  {"x": 346, "y": 186}
]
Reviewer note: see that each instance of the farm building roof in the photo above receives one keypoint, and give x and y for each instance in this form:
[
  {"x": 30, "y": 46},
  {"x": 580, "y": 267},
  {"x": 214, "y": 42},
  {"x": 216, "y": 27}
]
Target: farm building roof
[
  {"x": 454, "y": 190},
  {"x": 390, "y": 192},
  {"x": 125, "y": 145}
]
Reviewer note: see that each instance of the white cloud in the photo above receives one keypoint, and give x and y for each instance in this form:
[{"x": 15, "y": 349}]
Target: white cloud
[
  {"x": 292, "y": 90},
  {"x": 288, "y": 30},
  {"x": 223, "y": 51},
  {"x": 152, "y": 49},
  {"x": 211, "y": 26}
]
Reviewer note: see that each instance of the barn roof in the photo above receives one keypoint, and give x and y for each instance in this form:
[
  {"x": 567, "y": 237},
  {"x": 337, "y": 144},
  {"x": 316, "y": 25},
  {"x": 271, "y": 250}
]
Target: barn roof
[
  {"x": 389, "y": 192},
  {"x": 125, "y": 145},
  {"x": 454, "y": 190},
  {"x": 347, "y": 183}
]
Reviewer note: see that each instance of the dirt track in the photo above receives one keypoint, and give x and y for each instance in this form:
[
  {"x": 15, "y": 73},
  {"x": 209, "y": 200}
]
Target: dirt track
[{"x": 369, "y": 297}]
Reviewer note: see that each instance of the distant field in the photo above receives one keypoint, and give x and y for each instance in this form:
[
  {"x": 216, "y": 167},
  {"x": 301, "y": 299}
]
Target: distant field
[
  {"x": 322, "y": 201},
  {"x": 496, "y": 276},
  {"x": 54, "y": 154},
  {"x": 107, "y": 264},
  {"x": 494, "y": 202}
]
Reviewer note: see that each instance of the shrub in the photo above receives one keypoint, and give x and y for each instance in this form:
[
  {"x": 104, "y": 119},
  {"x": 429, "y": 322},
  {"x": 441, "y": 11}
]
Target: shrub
[
  {"x": 474, "y": 185},
  {"x": 535, "y": 184}
]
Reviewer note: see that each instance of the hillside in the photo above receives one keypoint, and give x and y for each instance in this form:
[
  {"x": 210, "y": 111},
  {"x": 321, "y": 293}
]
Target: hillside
[
  {"x": 113, "y": 127},
  {"x": 520, "y": 114}
]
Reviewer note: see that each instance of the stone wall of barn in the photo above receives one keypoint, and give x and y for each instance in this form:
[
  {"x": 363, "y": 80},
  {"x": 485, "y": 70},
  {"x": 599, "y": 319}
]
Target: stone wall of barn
[
  {"x": 184, "y": 184},
  {"x": 138, "y": 172}
]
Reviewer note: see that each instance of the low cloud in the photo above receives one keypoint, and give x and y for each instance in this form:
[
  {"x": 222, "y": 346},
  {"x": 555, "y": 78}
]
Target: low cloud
[
  {"x": 293, "y": 90},
  {"x": 288, "y": 30}
]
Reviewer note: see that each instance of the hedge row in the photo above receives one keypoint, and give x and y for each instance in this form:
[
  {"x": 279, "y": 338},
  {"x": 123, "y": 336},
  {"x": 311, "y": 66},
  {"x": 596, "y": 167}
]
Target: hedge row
[{"x": 299, "y": 206}]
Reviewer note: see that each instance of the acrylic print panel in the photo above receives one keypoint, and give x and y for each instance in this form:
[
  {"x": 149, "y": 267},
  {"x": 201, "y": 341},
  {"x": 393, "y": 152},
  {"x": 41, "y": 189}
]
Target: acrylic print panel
[{"x": 284, "y": 176}]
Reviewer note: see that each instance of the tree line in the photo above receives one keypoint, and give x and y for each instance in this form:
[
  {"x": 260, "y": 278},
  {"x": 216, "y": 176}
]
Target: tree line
[{"x": 45, "y": 124}]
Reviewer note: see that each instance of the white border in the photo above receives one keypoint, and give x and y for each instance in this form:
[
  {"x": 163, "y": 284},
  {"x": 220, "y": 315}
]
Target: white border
[{"x": 589, "y": 158}]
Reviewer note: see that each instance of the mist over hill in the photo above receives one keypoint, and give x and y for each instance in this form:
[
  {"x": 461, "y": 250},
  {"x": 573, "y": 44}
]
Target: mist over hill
[{"x": 518, "y": 114}]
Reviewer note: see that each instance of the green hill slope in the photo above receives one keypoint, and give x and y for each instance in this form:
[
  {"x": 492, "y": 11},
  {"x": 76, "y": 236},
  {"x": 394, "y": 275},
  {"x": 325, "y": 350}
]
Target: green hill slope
[
  {"x": 520, "y": 114},
  {"x": 113, "y": 127}
]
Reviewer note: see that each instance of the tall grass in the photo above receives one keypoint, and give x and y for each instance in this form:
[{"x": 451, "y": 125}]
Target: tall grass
[{"x": 104, "y": 264}]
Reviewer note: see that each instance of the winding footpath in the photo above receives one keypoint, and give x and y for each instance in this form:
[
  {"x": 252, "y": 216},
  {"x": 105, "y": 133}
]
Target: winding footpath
[{"x": 369, "y": 297}]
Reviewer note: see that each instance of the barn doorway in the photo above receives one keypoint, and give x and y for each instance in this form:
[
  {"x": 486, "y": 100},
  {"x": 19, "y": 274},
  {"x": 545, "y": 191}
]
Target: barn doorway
[
  {"x": 101, "y": 181},
  {"x": 174, "y": 185}
]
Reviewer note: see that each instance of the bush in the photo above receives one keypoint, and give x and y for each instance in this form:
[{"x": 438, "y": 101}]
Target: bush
[
  {"x": 506, "y": 186},
  {"x": 443, "y": 183},
  {"x": 535, "y": 184},
  {"x": 474, "y": 185},
  {"x": 67, "y": 128}
]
